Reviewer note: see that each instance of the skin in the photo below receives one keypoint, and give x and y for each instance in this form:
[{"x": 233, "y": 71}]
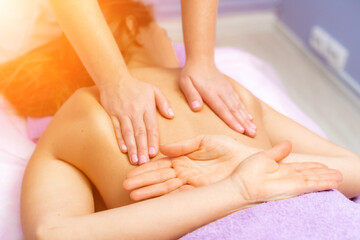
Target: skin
[
  {"x": 72, "y": 186},
  {"x": 133, "y": 114},
  {"x": 85, "y": 26},
  {"x": 201, "y": 81}
]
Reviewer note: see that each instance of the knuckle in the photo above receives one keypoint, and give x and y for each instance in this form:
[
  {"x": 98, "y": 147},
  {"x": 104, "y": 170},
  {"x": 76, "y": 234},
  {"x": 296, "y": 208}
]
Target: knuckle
[
  {"x": 238, "y": 106},
  {"x": 119, "y": 137},
  {"x": 134, "y": 108},
  {"x": 127, "y": 133},
  {"x": 233, "y": 110},
  {"x": 151, "y": 128},
  {"x": 139, "y": 132}
]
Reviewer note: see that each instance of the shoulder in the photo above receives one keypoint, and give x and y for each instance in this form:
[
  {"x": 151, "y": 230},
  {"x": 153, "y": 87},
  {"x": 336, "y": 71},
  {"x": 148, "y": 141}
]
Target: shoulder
[
  {"x": 245, "y": 95},
  {"x": 80, "y": 117}
]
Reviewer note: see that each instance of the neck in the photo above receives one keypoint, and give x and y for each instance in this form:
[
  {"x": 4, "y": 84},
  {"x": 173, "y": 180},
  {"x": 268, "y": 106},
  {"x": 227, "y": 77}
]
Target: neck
[
  {"x": 139, "y": 61},
  {"x": 138, "y": 58}
]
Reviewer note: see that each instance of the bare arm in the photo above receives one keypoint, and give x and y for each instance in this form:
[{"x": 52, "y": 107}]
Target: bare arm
[
  {"x": 86, "y": 28},
  {"x": 199, "y": 24},
  {"x": 200, "y": 80},
  {"x": 168, "y": 217}
]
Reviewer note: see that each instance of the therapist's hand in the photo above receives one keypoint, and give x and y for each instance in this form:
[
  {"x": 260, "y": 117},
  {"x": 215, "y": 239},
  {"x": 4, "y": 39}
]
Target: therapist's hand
[
  {"x": 131, "y": 105},
  {"x": 202, "y": 81}
]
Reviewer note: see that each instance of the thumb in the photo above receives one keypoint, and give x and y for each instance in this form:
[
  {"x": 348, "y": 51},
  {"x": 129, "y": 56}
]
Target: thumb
[
  {"x": 279, "y": 151},
  {"x": 191, "y": 94},
  {"x": 181, "y": 148}
]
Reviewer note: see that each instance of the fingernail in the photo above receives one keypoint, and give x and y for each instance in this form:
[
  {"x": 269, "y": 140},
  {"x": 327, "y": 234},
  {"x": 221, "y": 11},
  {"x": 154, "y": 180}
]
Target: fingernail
[
  {"x": 123, "y": 147},
  {"x": 251, "y": 131},
  {"x": 240, "y": 128},
  {"x": 253, "y": 126},
  {"x": 152, "y": 151},
  {"x": 251, "y": 117},
  {"x": 142, "y": 159},
  {"x": 134, "y": 159},
  {"x": 195, "y": 104},
  {"x": 171, "y": 112}
]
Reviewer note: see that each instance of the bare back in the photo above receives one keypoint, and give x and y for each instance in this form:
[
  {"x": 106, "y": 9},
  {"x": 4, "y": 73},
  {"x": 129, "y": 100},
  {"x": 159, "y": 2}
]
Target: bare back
[{"x": 188, "y": 124}]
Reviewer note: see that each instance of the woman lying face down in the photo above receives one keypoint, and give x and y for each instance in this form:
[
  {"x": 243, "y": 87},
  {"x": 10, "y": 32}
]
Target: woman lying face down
[{"x": 74, "y": 186}]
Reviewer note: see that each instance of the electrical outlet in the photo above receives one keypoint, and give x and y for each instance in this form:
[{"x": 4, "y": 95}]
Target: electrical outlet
[
  {"x": 327, "y": 47},
  {"x": 336, "y": 55},
  {"x": 319, "y": 40}
]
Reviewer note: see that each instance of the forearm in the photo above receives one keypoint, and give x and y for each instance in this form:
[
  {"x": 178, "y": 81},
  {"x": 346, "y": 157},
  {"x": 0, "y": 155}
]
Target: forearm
[
  {"x": 167, "y": 217},
  {"x": 85, "y": 26},
  {"x": 199, "y": 27}
]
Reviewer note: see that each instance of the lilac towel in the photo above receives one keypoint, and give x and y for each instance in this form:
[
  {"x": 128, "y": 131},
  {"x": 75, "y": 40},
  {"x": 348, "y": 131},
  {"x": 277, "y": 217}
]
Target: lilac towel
[{"x": 321, "y": 215}]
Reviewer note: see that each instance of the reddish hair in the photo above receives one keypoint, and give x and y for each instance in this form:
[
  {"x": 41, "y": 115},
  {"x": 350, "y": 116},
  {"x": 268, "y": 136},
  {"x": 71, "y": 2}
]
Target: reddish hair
[{"x": 38, "y": 83}]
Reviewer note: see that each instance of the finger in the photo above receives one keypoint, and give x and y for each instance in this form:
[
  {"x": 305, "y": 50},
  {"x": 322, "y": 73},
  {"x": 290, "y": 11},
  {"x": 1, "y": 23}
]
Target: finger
[
  {"x": 163, "y": 104},
  {"x": 306, "y": 165},
  {"x": 318, "y": 171},
  {"x": 128, "y": 135},
  {"x": 237, "y": 109},
  {"x": 152, "y": 130},
  {"x": 315, "y": 186},
  {"x": 279, "y": 151},
  {"x": 151, "y": 166},
  {"x": 219, "y": 107},
  {"x": 149, "y": 178},
  {"x": 141, "y": 139},
  {"x": 156, "y": 190},
  {"x": 242, "y": 107},
  {"x": 118, "y": 134},
  {"x": 325, "y": 177},
  {"x": 191, "y": 94},
  {"x": 183, "y": 189},
  {"x": 322, "y": 173},
  {"x": 182, "y": 148}
]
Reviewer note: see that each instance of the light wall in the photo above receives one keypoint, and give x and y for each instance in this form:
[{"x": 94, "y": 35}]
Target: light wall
[
  {"x": 171, "y": 8},
  {"x": 340, "y": 19}
]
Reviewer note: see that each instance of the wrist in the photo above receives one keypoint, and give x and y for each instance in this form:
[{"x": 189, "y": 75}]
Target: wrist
[
  {"x": 235, "y": 193},
  {"x": 202, "y": 60},
  {"x": 115, "y": 82}
]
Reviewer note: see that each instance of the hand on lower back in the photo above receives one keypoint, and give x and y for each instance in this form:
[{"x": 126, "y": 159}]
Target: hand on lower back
[
  {"x": 131, "y": 105},
  {"x": 204, "y": 82}
]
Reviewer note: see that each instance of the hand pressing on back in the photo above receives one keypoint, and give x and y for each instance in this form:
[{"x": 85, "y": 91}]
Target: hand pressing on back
[
  {"x": 259, "y": 177},
  {"x": 132, "y": 107},
  {"x": 205, "y": 83}
]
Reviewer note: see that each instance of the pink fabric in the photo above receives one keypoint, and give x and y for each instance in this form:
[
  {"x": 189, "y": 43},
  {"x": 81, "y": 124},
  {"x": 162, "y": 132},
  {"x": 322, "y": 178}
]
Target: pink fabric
[
  {"x": 16, "y": 146},
  {"x": 36, "y": 126},
  {"x": 15, "y": 151}
]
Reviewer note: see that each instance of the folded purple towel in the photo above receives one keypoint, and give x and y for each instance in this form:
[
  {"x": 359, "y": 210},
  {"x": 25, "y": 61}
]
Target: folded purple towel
[{"x": 321, "y": 215}]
